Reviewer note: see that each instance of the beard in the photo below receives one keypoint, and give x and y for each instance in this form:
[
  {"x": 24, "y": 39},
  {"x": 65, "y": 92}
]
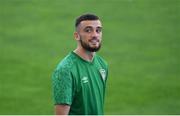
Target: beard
[{"x": 87, "y": 47}]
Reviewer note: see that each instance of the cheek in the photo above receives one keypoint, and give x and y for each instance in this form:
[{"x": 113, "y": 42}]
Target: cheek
[
  {"x": 100, "y": 34},
  {"x": 100, "y": 37},
  {"x": 85, "y": 37}
]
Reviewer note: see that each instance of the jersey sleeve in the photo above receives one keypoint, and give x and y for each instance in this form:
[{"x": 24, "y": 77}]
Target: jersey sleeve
[{"x": 62, "y": 86}]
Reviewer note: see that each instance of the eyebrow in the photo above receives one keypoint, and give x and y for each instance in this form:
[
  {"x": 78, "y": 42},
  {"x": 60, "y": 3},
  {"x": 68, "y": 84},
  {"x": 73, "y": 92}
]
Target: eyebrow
[
  {"x": 99, "y": 27},
  {"x": 92, "y": 27}
]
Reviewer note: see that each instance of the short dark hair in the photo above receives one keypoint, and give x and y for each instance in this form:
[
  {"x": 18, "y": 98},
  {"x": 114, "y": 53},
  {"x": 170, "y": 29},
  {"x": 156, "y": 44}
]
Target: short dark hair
[{"x": 84, "y": 17}]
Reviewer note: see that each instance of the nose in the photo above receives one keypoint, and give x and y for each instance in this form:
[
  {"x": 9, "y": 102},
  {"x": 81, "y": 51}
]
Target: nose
[{"x": 95, "y": 34}]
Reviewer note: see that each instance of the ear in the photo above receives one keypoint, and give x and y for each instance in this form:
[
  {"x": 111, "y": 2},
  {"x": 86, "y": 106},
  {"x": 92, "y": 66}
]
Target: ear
[{"x": 76, "y": 36}]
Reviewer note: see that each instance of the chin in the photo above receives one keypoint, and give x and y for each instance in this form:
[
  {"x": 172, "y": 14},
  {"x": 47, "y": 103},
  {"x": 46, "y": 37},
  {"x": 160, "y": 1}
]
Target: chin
[{"x": 95, "y": 46}]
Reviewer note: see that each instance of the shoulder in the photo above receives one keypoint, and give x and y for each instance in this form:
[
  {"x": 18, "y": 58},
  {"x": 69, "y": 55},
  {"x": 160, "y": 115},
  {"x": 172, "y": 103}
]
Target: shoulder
[
  {"x": 64, "y": 67},
  {"x": 67, "y": 62}
]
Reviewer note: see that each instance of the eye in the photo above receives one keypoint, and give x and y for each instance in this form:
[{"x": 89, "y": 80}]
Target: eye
[
  {"x": 99, "y": 30},
  {"x": 88, "y": 30}
]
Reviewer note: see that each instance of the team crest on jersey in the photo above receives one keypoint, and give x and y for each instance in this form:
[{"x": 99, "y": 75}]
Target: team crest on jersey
[{"x": 103, "y": 73}]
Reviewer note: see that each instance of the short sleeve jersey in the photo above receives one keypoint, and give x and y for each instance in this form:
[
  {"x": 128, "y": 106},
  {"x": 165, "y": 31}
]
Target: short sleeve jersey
[{"x": 80, "y": 84}]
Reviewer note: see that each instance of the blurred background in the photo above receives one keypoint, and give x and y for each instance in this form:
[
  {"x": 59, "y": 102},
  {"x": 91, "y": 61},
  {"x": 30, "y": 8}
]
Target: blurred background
[{"x": 141, "y": 43}]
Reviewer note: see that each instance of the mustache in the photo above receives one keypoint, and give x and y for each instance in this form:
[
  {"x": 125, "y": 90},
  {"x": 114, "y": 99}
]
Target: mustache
[{"x": 94, "y": 38}]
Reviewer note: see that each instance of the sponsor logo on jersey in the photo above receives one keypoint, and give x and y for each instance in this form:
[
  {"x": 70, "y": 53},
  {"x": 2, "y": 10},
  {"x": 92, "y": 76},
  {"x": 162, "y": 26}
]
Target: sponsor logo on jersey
[
  {"x": 84, "y": 80},
  {"x": 103, "y": 73}
]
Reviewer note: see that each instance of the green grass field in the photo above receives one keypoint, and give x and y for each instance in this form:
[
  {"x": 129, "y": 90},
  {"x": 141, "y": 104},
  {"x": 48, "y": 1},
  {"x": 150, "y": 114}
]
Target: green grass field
[{"x": 141, "y": 42}]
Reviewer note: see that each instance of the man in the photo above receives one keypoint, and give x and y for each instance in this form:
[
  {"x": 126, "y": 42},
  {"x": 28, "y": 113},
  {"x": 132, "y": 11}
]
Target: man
[{"x": 79, "y": 80}]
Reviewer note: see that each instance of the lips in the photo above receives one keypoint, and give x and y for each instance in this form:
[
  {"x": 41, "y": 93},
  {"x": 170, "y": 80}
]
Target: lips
[{"x": 94, "y": 41}]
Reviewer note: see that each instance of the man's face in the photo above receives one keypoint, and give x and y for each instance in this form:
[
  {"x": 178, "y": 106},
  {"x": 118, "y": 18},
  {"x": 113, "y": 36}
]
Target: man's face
[{"x": 90, "y": 33}]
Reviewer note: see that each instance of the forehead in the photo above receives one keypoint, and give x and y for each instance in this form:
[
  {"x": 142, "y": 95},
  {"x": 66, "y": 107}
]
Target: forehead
[{"x": 90, "y": 23}]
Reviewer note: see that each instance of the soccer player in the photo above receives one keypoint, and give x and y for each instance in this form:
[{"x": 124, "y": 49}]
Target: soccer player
[{"x": 79, "y": 81}]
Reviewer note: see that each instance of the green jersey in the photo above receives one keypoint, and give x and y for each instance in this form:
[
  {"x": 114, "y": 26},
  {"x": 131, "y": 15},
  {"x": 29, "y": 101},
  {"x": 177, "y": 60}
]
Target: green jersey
[{"x": 80, "y": 84}]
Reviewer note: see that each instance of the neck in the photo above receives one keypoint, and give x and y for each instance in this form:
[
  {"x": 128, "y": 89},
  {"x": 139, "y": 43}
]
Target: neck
[{"x": 84, "y": 54}]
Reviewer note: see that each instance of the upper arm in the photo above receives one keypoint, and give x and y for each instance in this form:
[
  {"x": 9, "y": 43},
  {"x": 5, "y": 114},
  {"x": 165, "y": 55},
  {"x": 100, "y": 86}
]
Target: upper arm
[
  {"x": 62, "y": 109},
  {"x": 62, "y": 87}
]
